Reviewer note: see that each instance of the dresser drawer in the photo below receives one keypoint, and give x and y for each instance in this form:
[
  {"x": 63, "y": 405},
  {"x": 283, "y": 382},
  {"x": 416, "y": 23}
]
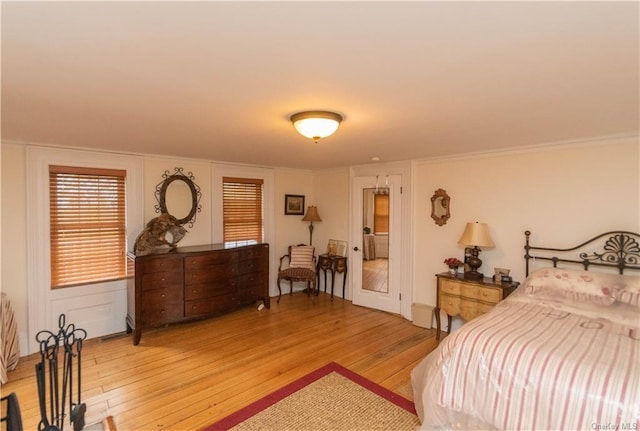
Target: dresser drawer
[
  {"x": 253, "y": 279},
  {"x": 203, "y": 307},
  {"x": 481, "y": 293},
  {"x": 208, "y": 260},
  {"x": 210, "y": 274},
  {"x": 249, "y": 266},
  {"x": 208, "y": 290},
  {"x": 160, "y": 263},
  {"x": 163, "y": 295},
  {"x": 156, "y": 313},
  {"x": 160, "y": 280},
  {"x": 251, "y": 253}
]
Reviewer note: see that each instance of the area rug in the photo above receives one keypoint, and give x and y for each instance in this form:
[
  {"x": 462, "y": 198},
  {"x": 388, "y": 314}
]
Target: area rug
[{"x": 330, "y": 398}]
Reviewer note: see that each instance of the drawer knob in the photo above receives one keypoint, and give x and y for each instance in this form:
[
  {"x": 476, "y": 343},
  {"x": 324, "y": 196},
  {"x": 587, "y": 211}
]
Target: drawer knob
[
  {"x": 161, "y": 311},
  {"x": 163, "y": 295}
]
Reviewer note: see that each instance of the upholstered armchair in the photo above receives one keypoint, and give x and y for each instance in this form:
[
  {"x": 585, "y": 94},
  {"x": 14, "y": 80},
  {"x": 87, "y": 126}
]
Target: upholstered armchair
[{"x": 299, "y": 264}]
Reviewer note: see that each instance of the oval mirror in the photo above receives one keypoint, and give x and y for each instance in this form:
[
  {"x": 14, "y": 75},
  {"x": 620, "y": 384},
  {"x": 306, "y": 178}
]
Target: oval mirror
[
  {"x": 440, "y": 207},
  {"x": 178, "y": 196}
]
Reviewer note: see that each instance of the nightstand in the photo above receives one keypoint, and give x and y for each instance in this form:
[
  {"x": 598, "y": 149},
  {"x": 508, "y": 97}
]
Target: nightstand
[
  {"x": 467, "y": 298},
  {"x": 333, "y": 264}
]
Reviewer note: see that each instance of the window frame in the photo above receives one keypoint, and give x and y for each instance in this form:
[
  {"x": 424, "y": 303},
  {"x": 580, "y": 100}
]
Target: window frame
[
  {"x": 234, "y": 235},
  {"x": 81, "y": 215}
]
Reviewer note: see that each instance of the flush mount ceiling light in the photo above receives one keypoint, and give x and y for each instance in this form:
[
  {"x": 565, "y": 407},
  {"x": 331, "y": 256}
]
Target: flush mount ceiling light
[{"x": 316, "y": 124}]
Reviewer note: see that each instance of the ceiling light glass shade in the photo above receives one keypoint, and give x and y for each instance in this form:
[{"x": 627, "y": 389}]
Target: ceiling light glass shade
[{"x": 316, "y": 124}]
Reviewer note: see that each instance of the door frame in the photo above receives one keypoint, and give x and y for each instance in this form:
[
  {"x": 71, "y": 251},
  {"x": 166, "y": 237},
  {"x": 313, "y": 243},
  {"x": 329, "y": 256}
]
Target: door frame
[{"x": 405, "y": 171}]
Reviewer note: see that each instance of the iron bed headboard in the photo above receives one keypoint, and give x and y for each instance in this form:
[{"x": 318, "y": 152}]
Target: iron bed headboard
[{"x": 620, "y": 250}]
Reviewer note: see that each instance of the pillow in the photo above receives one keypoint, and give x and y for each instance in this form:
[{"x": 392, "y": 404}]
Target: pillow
[
  {"x": 302, "y": 257},
  {"x": 581, "y": 286},
  {"x": 629, "y": 292}
]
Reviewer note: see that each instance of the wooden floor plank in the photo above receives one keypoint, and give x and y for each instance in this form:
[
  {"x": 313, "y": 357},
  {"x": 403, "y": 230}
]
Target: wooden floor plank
[{"x": 186, "y": 376}]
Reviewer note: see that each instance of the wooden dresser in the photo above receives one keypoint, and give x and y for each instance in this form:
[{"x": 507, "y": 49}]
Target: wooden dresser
[
  {"x": 467, "y": 298},
  {"x": 194, "y": 282}
]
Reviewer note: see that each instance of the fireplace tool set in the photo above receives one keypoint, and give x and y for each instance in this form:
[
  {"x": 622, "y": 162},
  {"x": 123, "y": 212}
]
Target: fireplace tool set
[{"x": 65, "y": 345}]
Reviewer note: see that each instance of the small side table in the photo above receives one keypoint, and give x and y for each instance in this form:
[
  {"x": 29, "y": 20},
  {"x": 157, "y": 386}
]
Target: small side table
[
  {"x": 334, "y": 264},
  {"x": 468, "y": 299}
]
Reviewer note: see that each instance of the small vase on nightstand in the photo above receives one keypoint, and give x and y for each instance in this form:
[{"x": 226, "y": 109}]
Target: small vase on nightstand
[{"x": 453, "y": 270}]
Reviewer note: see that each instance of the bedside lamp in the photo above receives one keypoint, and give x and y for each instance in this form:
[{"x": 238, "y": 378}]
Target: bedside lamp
[
  {"x": 475, "y": 235},
  {"x": 311, "y": 216}
]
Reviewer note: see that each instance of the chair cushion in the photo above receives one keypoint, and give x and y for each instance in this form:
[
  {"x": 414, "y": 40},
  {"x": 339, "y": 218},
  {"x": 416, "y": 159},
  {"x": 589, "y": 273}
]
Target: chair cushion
[
  {"x": 302, "y": 257},
  {"x": 297, "y": 274}
]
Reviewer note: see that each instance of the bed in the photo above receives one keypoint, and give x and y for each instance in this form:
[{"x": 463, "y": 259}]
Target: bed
[{"x": 560, "y": 353}]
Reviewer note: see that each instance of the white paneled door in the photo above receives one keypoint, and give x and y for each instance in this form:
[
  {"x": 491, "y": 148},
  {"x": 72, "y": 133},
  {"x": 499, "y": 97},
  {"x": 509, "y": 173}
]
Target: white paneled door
[{"x": 375, "y": 254}]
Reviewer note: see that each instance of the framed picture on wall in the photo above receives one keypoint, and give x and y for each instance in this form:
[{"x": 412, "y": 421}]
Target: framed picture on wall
[{"x": 293, "y": 204}]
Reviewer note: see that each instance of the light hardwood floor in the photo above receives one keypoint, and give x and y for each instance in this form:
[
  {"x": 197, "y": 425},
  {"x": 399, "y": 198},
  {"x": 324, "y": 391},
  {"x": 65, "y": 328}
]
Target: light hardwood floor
[
  {"x": 375, "y": 274},
  {"x": 186, "y": 376}
]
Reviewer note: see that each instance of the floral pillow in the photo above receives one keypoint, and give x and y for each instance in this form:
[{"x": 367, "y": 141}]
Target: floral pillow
[{"x": 582, "y": 286}]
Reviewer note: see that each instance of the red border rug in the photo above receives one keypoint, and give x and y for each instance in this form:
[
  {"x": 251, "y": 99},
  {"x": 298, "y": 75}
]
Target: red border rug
[{"x": 280, "y": 394}]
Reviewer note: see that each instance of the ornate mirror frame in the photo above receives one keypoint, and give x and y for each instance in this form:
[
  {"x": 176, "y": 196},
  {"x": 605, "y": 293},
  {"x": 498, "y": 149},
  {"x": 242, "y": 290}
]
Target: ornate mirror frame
[
  {"x": 440, "y": 203},
  {"x": 161, "y": 194}
]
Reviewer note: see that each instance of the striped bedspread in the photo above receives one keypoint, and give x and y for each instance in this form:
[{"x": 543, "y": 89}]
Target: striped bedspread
[
  {"x": 9, "y": 351},
  {"x": 533, "y": 363}
]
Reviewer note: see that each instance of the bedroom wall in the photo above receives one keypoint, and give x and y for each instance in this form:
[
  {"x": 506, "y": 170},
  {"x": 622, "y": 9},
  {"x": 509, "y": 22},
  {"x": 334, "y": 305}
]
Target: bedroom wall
[
  {"x": 291, "y": 229},
  {"x": 331, "y": 195},
  {"x": 14, "y": 265},
  {"x": 563, "y": 194},
  {"x": 14, "y": 233}
]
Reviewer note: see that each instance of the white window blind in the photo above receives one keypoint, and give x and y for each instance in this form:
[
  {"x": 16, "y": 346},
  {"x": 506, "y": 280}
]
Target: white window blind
[
  {"x": 242, "y": 209},
  {"x": 87, "y": 222}
]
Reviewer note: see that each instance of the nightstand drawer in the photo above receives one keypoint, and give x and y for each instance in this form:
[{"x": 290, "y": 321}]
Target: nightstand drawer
[
  {"x": 470, "y": 309},
  {"x": 450, "y": 304},
  {"x": 481, "y": 293},
  {"x": 450, "y": 287}
]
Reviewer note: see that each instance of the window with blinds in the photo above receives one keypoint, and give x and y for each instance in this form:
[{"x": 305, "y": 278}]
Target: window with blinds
[
  {"x": 380, "y": 213},
  {"x": 87, "y": 223},
  {"x": 242, "y": 210}
]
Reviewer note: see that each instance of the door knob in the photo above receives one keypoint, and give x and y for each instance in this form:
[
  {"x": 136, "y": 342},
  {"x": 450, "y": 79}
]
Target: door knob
[{"x": 355, "y": 248}]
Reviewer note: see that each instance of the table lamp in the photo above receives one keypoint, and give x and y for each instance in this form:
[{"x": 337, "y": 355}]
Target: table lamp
[
  {"x": 311, "y": 216},
  {"x": 475, "y": 235}
]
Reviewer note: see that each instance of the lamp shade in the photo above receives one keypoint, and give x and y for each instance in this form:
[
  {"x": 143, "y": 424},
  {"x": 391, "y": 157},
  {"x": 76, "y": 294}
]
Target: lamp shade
[
  {"x": 312, "y": 214},
  {"x": 316, "y": 124},
  {"x": 476, "y": 234}
]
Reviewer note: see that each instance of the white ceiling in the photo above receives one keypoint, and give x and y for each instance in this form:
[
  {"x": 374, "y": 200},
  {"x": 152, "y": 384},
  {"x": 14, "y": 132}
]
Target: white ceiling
[{"x": 219, "y": 80}]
